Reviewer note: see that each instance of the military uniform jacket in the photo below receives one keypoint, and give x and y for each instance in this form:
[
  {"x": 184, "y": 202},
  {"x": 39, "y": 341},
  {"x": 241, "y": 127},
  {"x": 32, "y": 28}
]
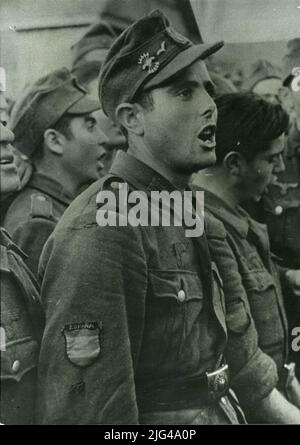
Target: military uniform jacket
[
  {"x": 281, "y": 206},
  {"x": 260, "y": 276},
  {"x": 128, "y": 309},
  {"x": 21, "y": 330},
  {"x": 33, "y": 215}
]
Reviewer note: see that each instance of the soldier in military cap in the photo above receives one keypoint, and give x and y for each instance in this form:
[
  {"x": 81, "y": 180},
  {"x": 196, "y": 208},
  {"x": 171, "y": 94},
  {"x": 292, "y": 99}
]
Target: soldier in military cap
[
  {"x": 250, "y": 144},
  {"x": 136, "y": 327},
  {"x": 56, "y": 125},
  {"x": 21, "y": 314}
]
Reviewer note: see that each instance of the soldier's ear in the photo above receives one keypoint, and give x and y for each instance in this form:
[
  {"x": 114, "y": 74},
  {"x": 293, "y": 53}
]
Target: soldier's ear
[
  {"x": 131, "y": 117},
  {"x": 54, "y": 141},
  {"x": 232, "y": 162}
]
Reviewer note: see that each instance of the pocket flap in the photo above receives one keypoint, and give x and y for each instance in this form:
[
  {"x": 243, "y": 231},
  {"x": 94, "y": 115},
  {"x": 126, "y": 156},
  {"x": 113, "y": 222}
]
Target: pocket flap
[
  {"x": 168, "y": 284},
  {"x": 259, "y": 280}
]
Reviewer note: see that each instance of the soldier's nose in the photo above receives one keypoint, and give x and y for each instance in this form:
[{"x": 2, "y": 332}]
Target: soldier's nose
[{"x": 103, "y": 139}]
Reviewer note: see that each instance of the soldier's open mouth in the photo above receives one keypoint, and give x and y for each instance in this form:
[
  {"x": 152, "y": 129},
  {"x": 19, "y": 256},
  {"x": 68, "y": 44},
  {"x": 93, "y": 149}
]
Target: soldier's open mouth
[{"x": 207, "y": 136}]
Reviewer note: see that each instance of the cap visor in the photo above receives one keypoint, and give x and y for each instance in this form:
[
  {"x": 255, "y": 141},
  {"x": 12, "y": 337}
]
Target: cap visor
[
  {"x": 84, "y": 105},
  {"x": 183, "y": 60}
]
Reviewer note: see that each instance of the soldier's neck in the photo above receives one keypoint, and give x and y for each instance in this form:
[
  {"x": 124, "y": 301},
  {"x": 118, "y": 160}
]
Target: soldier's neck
[
  {"x": 58, "y": 174},
  {"x": 215, "y": 181},
  {"x": 140, "y": 152}
]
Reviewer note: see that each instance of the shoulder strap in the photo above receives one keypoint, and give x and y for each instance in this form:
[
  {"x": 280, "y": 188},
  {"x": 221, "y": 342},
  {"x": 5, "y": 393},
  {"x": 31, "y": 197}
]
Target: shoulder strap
[{"x": 41, "y": 206}]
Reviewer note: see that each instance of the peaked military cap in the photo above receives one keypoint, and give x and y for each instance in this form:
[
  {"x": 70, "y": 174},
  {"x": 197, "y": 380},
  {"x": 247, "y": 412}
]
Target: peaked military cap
[
  {"x": 146, "y": 54},
  {"x": 43, "y": 104}
]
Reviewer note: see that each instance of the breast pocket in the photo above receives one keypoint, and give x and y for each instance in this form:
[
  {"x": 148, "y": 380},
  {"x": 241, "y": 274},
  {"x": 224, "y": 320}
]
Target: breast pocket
[
  {"x": 263, "y": 300},
  {"x": 175, "y": 305}
]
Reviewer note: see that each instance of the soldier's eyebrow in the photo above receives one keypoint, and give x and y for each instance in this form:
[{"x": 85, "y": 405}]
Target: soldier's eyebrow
[{"x": 183, "y": 82}]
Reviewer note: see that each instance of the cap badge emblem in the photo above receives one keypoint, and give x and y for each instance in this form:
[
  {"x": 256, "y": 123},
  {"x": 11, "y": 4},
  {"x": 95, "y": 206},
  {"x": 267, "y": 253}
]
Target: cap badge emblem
[
  {"x": 148, "y": 62},
  {"x": 162, "y": 48}
]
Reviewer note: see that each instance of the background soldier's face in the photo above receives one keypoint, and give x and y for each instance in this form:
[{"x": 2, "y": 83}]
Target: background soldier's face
[
  {"x": 9, "y": 177},
  {"x": 84, "y": 151},
  {"x": 261, "y": 171},
  {"x": 116, "y": 140},
  {"x": 179, "y": 129}
]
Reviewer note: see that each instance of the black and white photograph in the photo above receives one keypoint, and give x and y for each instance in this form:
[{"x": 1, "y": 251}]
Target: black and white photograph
[{"x": 150, "y": 214}]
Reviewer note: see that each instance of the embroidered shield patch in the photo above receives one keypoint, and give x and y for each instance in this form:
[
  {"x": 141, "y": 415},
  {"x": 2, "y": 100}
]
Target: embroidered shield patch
[{"x": 82, "y": 341}]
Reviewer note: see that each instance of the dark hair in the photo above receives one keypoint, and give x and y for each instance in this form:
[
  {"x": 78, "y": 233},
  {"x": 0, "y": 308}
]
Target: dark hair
[
  {"x": 63, "y": 125},
  {"x": 248, "y": 124},
  {"x": 86, "y": 72},
  {"x": 143, "y": 98}
]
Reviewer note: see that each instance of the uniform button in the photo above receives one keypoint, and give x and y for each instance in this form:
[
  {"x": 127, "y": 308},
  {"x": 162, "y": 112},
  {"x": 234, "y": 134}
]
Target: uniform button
[
  {"x": 278, "y": 210},
  {"x": 41, "y": 198},
  {"x": 181, "y": 296},
  {"x": 16, "y": 366}
]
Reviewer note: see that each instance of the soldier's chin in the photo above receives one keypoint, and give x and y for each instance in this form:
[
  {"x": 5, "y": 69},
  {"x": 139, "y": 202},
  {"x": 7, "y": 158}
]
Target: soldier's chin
[
  {"x": 258, "y": 196},
  {"x": 209, "y": 159}
]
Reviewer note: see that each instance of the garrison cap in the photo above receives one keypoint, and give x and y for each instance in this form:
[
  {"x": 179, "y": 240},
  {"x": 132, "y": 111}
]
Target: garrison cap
[
  {"x": 262, "y": 69},
  {"x": 146, "y": 54},
  {"x": 99, "y": 36},
  {"x": 291, "y": 60},
  {"x": 43, "y": 104}
]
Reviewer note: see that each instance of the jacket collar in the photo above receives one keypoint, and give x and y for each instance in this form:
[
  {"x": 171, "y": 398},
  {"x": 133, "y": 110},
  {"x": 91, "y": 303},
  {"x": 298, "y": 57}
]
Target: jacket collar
[
  {"x": 138, "y": 174},
  {"x": 234, "y": 217},
  {"x": 50, "y": 187}
]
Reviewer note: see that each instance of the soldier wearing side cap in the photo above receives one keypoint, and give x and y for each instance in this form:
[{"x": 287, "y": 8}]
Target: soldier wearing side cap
[
  {"x": 147, "y": 346},
  {"x": 56, "y": 125},
  {"x": 21, "y": 314}
]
